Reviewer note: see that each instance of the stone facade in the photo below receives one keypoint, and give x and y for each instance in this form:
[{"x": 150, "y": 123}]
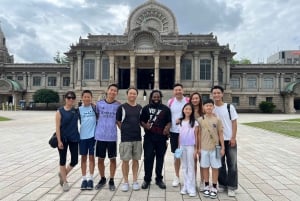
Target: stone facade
[{"x": 151, "y": 54}]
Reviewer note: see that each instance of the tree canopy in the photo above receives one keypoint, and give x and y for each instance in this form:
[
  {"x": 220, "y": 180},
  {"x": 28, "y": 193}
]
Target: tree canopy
[
  {"x": 46, "y": 96},
  {"x": 60, "y": 59},
  {"x": 241, "y": 61}
]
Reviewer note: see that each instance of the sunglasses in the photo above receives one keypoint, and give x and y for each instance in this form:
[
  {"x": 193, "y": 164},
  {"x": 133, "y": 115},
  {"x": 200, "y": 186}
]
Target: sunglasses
[{"x": 71, "y": 97}]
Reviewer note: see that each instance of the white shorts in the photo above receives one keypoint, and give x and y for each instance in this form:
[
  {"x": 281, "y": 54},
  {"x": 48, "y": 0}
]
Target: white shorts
[{"x": 208, "y": 159}]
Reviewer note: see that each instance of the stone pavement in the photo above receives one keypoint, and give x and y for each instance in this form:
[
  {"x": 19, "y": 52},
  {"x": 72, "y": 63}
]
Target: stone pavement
[{"x": 269, "y": 165}]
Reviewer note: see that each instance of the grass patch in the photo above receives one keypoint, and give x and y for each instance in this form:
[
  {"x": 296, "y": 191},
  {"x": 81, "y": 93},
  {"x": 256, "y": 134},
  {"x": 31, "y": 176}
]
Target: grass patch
[
  {"x": 289, "y": 127},
  {"x": 4, "y": 119}
]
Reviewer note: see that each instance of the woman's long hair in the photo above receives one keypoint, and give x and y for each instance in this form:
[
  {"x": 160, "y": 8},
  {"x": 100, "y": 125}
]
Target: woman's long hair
[{"x": 200, "y": 106}]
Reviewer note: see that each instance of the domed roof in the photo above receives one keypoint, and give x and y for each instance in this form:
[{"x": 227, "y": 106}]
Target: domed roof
[{"x": 154, "y": 15}]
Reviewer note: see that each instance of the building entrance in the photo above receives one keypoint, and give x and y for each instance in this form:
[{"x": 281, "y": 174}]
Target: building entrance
[
  {"x": 124, "y": 78},
  {"x": 166, "y": 78},
  {"x": 145, "y": 78}
]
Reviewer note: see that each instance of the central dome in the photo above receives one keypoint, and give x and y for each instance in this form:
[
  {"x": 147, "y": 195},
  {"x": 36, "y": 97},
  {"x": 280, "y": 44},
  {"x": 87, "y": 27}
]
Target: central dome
[{"x": 155, "y": 15}]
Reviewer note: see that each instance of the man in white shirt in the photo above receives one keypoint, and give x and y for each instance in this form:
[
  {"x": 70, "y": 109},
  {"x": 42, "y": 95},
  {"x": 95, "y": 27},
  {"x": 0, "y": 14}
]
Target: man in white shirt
[
  {"x": 228, "y": 178},
  {"x": 176, "y": 104}
]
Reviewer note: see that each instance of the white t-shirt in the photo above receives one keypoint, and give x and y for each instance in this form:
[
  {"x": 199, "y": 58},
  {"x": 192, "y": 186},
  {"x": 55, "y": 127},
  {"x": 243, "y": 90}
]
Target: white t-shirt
[
  {"x": 223, "y": 115},
  {"x": 176, "y": 112}
]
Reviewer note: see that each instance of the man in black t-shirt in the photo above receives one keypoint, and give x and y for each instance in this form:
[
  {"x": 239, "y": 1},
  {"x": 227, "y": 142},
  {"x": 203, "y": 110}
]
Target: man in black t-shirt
[
  {"x": 130, "y": 148},
  {"x": 156, "y": 121}
]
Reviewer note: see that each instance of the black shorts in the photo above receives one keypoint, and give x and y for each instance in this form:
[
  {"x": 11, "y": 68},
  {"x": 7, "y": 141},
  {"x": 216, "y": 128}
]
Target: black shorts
[
  {"x": 103, "y": 146},
  {"x": 174, "y": 141}
]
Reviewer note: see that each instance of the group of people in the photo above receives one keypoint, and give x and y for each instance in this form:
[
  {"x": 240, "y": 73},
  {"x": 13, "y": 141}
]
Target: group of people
[{"x": 203, "y": 131}]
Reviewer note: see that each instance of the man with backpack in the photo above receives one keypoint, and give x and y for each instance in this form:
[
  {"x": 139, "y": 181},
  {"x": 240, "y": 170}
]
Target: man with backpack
[{"x": 228, "y": 178}]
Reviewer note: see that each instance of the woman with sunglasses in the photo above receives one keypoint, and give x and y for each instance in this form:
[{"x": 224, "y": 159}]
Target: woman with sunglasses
[{"x": 67, "y": 136}]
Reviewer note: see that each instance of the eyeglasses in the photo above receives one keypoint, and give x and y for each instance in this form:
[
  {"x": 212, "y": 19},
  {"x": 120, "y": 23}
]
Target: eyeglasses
[{"x": 71, "y": 97}]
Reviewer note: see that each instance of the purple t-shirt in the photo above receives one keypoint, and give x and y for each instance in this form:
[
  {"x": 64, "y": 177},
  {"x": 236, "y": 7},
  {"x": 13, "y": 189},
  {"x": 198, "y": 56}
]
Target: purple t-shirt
[
  {"x": 186, "y": 133},
  {"x": 106, "y": 129}
]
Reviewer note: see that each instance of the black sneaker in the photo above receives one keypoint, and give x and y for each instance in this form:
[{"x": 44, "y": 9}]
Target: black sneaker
[
  {"x": 90, "y": 185},
  {"x": 111, "y": 185},
  {"x": 101, "y": 183},
  {"x": 161, "y": 184},
  {"x": 145, "y": 185},
  {"x": 84, "y": 185}
]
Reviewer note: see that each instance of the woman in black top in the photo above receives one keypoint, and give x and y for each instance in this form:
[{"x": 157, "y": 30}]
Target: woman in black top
[{"x": 67, "y": 136}]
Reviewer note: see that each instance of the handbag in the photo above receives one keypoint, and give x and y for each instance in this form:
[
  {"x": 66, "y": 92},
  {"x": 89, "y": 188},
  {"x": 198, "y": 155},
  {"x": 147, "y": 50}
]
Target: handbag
[
  {"x": 53, "y": 141},
  {"x": 178, "y": 153}
]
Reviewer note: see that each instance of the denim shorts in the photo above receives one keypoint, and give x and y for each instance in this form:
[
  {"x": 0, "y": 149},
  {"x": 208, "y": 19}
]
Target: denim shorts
[{"x": 208, "y": 159}]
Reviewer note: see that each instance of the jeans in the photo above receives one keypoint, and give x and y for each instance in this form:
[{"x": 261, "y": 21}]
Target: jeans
[
  {"x": 228, "y": 173},
  {"x": 154, "y": 148}
]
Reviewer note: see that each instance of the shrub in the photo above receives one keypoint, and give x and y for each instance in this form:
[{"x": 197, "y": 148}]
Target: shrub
[
  {"x": 46, "y": 96},
  {"x": 267, "y": 107}
]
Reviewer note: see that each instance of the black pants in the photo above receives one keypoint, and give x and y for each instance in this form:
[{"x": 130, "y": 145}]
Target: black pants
[
  {"x": 154, "y": 149},
  {"x": 228, "y": 173},
  {"x": 73, "y": 147}
]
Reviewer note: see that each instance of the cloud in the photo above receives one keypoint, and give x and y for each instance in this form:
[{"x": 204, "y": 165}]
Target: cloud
[{"x": 253, "y": 29}]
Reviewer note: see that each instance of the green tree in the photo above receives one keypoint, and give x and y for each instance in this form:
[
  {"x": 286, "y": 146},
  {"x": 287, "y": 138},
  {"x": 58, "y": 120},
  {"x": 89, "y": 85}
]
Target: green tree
[
  {"x": 241, "y": 61},
  {"x": 46, "y": 96},
  {"x": 60, "y": 59},
  {"x": 267, "y": 107}
]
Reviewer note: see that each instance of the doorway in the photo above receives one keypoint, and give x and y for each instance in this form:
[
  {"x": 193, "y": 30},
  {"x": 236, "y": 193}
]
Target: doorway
[
  {"x": 145, "y": 78},
  {"x": 124, "y": 78},
  {"x": 166, "y": 78}
]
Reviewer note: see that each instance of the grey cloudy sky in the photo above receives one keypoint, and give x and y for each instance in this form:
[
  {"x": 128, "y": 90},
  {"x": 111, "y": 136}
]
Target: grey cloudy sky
[{"x": 36, "y": 29}]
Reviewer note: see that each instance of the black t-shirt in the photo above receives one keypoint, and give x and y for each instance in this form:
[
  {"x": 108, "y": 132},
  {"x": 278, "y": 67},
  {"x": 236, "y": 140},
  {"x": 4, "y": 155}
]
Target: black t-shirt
[
  {"x": 130, "y": 118},
  {"x": 159, "y": 121}
]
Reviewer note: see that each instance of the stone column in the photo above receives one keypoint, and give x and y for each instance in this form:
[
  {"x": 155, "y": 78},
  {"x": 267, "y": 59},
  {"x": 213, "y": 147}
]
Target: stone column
[
  {"x": 260, "y": 81},
  {"x": 294, "y": 77},
  {"x": 132, "y": 69},
  {"x": 111, "y": 68},
  {"x": 156, "y": 70},
  {"x": 277, "y": 80},
  {"x": 24, "y": 80},
  {"x": 244, "y": 81},
  {"x": 72, "y": 73},
  {"x": 177, "y": 66},
  {"x": 97, "y": 65},
  {"x": 117, "y": 62},
  {"x": 44, "y": 81},
  {"x": 227, "y": 81},
  {"x": 14, "y": 77},
  {"x": 58, "y": 82},
  {"x": 196, "y": 68},
  {"x": 29, "y": 82},
  {"x": 79, "y": 69},
  {"x": 281, "y": 81},
  {"x": 216, "y": 64}
]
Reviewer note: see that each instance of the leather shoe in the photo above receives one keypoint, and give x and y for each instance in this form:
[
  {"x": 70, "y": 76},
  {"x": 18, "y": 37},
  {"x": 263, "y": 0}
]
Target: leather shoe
[
  {"x": 145, "y": 185},
  {"x": 161, "y": 184}
]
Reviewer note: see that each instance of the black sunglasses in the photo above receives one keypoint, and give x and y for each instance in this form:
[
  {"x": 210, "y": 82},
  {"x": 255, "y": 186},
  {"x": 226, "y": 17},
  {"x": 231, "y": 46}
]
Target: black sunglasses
[{"x": 71, "y": 97}]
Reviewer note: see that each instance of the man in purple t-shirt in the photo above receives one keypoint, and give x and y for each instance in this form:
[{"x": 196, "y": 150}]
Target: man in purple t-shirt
[{"x": 106, "y": 135}]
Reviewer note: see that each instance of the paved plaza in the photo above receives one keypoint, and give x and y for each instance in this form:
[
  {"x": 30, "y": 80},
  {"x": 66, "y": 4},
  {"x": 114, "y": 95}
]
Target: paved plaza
[{"x": 269, "y": 165}]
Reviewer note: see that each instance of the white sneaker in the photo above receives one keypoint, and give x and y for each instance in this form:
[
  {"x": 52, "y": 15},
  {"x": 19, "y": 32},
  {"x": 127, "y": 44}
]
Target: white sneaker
[
  {"x": 231, "y": 193},
  {"x": 125, "y": 187},
  {"x": 66, "y": 187},
  {"x": 175, "y": 182},
  {"x": 213, "y": 193},
  {"x": 206, "y": 191},
  {"x": 183, "y": 191},
  {"x": 136, "y": 186},
  {"x": 192, "y": 194}
]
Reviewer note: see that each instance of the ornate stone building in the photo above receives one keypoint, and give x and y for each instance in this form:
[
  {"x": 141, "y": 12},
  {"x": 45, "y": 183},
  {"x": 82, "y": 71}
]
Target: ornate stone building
[{"x": 151, "y": 54}]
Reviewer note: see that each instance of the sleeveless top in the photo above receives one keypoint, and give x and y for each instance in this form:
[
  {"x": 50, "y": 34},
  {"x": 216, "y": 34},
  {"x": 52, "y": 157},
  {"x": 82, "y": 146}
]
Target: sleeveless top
[{"x": 69, "y": 125}]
